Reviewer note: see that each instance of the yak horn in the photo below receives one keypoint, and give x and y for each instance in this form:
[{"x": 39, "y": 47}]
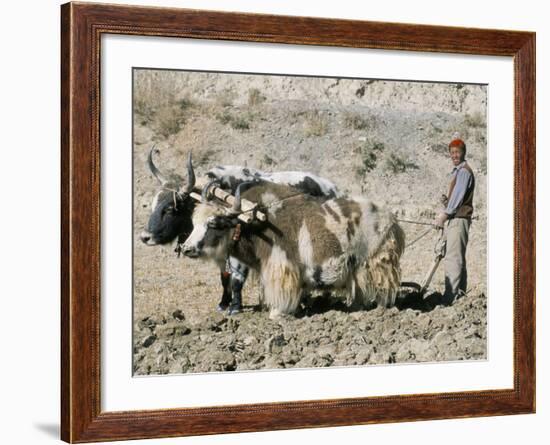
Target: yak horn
[
  {"x": 237, "y": 203},
  {"x": 237, "y": 207},
  {"x": 156, "y": 172},
  {"x": 190, "y": 175},
  {"x": 204, "y": 194}
]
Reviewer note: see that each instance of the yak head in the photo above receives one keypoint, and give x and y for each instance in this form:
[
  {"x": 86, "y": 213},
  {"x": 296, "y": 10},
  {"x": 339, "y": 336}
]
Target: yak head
[
  {"x": 213, "y": 226},
  {"x": 172, "y": 207}
]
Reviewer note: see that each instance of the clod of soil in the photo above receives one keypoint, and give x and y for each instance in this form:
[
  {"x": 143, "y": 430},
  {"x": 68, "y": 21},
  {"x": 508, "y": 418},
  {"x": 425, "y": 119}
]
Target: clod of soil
[{"x": 251, "y": 340}]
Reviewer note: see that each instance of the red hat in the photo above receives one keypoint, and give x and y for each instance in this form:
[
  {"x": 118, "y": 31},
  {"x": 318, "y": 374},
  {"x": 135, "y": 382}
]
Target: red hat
[{"x": 457, "y": 142}]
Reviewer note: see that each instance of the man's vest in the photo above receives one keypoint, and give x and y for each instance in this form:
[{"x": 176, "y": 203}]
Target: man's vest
[{"x": 466, "y": 209}]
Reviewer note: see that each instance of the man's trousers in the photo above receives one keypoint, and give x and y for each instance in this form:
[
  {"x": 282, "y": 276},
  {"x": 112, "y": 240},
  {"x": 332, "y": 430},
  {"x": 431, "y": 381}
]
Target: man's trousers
[{"x": 456, "y": 274}]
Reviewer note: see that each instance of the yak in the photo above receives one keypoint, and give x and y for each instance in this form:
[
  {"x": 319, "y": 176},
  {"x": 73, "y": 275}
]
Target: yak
[
  {"x": 172, "y": 209},
  {"x": 341, "y": 244}
]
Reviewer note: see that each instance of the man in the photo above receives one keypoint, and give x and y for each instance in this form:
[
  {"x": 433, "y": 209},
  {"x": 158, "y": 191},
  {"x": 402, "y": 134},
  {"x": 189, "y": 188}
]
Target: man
[{"x": 458, "y": 215}]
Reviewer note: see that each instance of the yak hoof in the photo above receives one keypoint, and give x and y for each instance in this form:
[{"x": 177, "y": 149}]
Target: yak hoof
[
  {"x": 234, "y": 310},
  {"x": 222, "y": 307},
  {"x": 275, "y": 314}
]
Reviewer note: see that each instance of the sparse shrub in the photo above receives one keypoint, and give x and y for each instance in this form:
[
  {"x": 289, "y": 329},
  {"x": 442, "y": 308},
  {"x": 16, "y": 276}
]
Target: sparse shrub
[
  {"x": 204, "y": 157},
  {"x": 369, "y": 151},
  {"x": 397, "y": 164},
  {"x": 369, "y": 161},
  {"x": 482, "y": 166},
  {"x": 475, "y": 120},
  {"x": 153, "y": 90},
  {"x": 142, "y": 108},
  {"x": 427, "y": 214},
  {"x": 185, "y": 103},
  {"x": 236, "y": 122},
  {"x": 224, "y": 117},
  {"x": 268, "y": 160},
  {"x": 378, "y": 146},
  {"x": 315, "y": 124},
  {"x": 255, "y": 97},
  {"x": 439, "y": 147},
  {"x": 240, "y": 123},
  {"x": 355, "y": 121},
  {"x": 168, "y": 120},
  {"x": 155, "y": 103},
  {"x": 226, "y": 98},
  {"x": 143, "y": 112}
]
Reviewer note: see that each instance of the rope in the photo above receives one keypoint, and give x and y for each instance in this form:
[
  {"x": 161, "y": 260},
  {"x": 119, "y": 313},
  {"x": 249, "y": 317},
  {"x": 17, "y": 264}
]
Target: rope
[
  {"x": 271, "y": 204},
  {"x": 432, "y": 226},
  {"x": 419, "y": 237},
  {"x": 420, "y": 223}
]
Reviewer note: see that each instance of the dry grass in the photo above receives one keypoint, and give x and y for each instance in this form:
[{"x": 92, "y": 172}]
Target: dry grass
[
  {"x": 369, "y": 151},
  {"x": 315, "y": 124},
  {"x": 398, "y": 164},
  {"x": 226, "y": 98},
  {"x": 268, "y": 160},
  {"x": 255, "y": 97},
  {"x": 154, "y": 89},
  {"x": 237, "y": 122},
  {"x": 355, "y": 121},
  {"x": 168, "y": 120},
  {"x": 476, "y": 120},
  {"x": 161, "y": 101},
  {"x": 240, "y": 123}
]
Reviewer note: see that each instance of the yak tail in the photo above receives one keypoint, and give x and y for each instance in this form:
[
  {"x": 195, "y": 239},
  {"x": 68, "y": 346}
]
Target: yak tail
[{"x": 380, "y": 278}]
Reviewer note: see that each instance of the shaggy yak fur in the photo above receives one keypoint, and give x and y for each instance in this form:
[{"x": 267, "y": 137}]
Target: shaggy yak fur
[
  {"x": 341, "y": 245},
  {"x": 172, "y": 210}
]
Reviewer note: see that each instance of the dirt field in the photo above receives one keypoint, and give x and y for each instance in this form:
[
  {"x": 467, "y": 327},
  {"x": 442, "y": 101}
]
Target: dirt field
[{"x": 381, "y": 139}]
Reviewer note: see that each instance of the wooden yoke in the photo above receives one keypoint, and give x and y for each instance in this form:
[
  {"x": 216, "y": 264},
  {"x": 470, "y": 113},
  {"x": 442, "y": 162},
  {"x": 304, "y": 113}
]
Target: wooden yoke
[{"x": 248, "y": 213}]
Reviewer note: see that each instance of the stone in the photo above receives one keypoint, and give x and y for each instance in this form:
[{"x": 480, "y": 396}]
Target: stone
[
  {"x": 172, "y": 329},
  {"x": 149, "y": 341},
  {"x": 178, "y": 315},
  {"x": 275, "y": 343}
]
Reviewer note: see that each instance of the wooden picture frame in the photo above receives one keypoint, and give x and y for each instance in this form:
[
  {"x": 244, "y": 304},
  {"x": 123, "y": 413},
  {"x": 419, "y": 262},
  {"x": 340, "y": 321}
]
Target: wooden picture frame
[{"x": 82, "y": 26}]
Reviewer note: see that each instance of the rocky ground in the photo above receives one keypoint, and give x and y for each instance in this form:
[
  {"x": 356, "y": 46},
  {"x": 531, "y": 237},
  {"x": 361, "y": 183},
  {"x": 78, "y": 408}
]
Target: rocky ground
[
  {"x": 326, "y": 335},
  {"x": 381, "y": 139}
]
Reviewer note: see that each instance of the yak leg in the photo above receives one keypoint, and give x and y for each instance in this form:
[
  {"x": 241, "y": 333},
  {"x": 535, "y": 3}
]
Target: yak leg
[
  {"x": 226, "y": 296},
  {"x": 365, "y": 292},
  {"x": 239, "y": 273},
  {"x": 282, "y": 284},
  {"x": 236, "y": 305}
]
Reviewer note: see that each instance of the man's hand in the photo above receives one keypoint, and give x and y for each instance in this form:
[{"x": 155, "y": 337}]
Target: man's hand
[{"x": 440, "y": 220}]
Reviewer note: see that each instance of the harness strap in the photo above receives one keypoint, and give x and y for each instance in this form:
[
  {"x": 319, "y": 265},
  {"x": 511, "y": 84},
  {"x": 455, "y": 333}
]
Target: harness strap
[{"x": 237, "y": 233}]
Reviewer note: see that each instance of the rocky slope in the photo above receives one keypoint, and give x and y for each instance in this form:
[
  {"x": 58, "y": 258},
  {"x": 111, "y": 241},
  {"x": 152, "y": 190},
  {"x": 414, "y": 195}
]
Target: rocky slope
[{"x": 382, "y": 139}]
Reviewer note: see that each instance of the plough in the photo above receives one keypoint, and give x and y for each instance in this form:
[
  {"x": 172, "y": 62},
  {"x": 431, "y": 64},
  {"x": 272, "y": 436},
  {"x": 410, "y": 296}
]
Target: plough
[{"x": 439, "y": 251}]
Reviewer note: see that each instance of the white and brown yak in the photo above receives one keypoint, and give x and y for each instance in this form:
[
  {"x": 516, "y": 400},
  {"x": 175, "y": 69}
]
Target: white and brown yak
[
  {"x": 340, "y": 245},
  {"x": 172, "y": 209}
]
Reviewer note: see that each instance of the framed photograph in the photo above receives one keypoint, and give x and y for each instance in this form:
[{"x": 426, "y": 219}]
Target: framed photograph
[{"x": 274, "y": 222}]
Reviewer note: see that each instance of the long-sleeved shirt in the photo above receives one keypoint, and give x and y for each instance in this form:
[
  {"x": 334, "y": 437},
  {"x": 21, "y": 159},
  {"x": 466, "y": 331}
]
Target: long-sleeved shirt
[{"x": 462, "y": 190}]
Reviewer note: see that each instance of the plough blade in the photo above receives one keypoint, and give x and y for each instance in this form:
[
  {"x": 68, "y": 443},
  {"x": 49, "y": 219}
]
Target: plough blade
[{"x": 430, "y": 274}]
